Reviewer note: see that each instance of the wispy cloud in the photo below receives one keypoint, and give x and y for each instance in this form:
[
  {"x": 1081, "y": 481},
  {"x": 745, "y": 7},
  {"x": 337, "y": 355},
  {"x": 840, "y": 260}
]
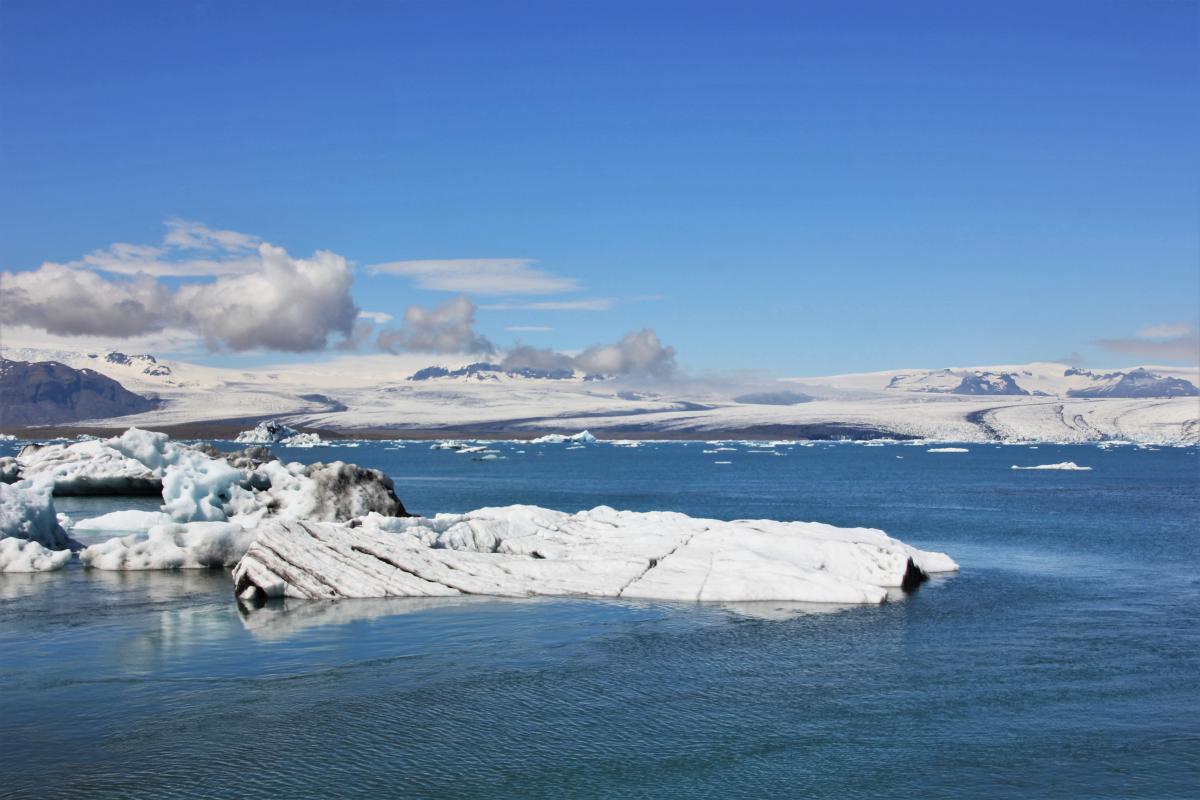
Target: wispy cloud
[
  {"x": 589, "y": 304},
  {"x": 486, "y": 276},
  {"x": 1166, "y": 342},
  {"x": 529, "y": 328},
  {"x": 188, "y": 249},
  {"x": 1165, "y": 331}
]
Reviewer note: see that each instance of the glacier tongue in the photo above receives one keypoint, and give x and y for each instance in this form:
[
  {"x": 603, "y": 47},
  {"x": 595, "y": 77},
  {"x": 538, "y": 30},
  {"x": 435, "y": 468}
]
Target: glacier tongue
[{"x": 526, "y": 550}]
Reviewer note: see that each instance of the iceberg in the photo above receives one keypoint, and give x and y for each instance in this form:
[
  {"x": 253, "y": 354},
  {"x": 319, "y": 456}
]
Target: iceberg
[
  {"x": 270, "y": 431},
  {"x": 27, "y": 512},
  {"x": 583, "y": 437},
  {"x": 1068, "y": 466},
  {"x": 197, "y": 545},
  {"x": 947, "y": 450},
  {"x": 521, "y": 551},
  {"x": 88, "y": 468}
]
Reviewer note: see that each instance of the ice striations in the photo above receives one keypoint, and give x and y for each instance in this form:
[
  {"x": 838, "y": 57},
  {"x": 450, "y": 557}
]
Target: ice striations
[{"x": 527, "y": 550}]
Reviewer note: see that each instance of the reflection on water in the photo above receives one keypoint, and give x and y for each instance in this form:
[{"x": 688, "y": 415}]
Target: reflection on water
[{"x": 1062, "y": 661}]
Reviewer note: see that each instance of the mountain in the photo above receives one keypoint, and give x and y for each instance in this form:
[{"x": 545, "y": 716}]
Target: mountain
[
  {"x": 385, "y": 395},
  {"x": 1135, "y": 383},
  {"x": 50, "y": 393}
]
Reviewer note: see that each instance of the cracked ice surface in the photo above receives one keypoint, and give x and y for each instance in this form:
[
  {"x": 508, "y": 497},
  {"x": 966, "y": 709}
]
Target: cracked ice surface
[{"x": 527, "y": 550}]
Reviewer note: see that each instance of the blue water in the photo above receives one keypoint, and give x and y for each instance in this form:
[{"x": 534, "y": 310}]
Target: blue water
[{"x": 1063, "y": 661}]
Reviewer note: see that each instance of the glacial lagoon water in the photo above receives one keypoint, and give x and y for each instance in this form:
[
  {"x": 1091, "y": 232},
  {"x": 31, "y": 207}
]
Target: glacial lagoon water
[{"x": 1063, "y": 661}]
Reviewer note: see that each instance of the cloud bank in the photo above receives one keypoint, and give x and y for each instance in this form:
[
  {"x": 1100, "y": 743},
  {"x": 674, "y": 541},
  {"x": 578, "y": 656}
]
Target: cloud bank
[
  {"x": 1166, "y": 342},
  {"x": 270, "y": 300}
]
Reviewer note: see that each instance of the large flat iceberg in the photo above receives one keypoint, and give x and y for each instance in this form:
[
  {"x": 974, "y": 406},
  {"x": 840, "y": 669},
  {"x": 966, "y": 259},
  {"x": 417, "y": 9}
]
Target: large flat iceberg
[{"x": 526, "y": 550}]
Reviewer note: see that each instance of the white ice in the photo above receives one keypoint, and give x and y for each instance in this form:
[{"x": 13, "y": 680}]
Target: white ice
[
  {"x": 583, "y": 437},
  {"x": 195, "y": 545},
  {"x": 27, "y": 512},
  {"x": 23, "y": 555},
  {"x": 1069, "y": 466},
  {"x": 527, "y": 550},
  {"x": 947, "y": 450},
  {"x": 127, "y": 521}
]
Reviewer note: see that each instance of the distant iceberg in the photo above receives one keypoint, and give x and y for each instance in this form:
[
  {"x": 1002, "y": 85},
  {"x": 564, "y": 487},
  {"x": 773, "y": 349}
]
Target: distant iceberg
[
  {"x": 273, "y": 431},
  {"x": 583, "y": 437},
  {"x": 520, "y": 551},
  {"x": 1069, "y": 466},
  {"x": 947, "y": 450}
]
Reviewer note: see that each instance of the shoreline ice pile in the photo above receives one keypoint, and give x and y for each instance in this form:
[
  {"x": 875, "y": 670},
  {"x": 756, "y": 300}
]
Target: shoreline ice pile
[
  {"x": 520, "y": 551},
  {"x": 208, "y": 497}
]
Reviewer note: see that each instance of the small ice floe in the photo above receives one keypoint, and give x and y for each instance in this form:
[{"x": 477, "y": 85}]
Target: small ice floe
[
  {"x": 1067, "y": 466},
  {"x": 447, "y": 444},
  {"x": 722, "y": 462},
  {"x": 625, "y": 443},
  {"x": 947, "y": 450},
  {"x": 479, "y": 448}
]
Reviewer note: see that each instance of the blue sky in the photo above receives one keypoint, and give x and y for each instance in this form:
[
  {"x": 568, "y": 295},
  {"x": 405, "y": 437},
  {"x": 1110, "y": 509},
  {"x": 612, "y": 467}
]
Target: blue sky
[{"x": 802, "y": 188}]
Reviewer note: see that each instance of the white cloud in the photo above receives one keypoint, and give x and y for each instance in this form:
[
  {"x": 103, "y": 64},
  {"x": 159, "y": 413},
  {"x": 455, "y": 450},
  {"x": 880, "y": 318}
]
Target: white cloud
[
  {"x": 446, "y": 328},
  {"x": 590, "y": 304},
  {"x": 189, "y": 249},
  {"x": 189, "y": 235},
  {"x": 488, "y": 276}
]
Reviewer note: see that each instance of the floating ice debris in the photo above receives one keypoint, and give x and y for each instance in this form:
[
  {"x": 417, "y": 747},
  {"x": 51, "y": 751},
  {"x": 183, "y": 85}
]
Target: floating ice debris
[
  {"x": 947, "y": 450},
  {"x": 1068, "y": 466},
  {"x": 270, "y": 431},
  {"x": 722, "y": 462},
  {"x": 526, "y": 550}
]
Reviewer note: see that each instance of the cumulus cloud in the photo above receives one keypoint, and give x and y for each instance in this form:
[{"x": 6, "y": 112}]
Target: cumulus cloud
[
  {"x": 1167, "y": 342},
  {"x": 638, "y": 353},
  {"x": 489, "y": 276},
  {"x": 288, "y": 304},
  {"x": 446, "y": 328},
  {"x": 526, "y": 357},
  {"x": 277, "y": 303}
]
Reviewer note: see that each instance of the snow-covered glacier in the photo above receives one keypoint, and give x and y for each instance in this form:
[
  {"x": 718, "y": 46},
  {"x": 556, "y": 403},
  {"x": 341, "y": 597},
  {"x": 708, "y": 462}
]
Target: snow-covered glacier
[{"x": 526, "y": 550}]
